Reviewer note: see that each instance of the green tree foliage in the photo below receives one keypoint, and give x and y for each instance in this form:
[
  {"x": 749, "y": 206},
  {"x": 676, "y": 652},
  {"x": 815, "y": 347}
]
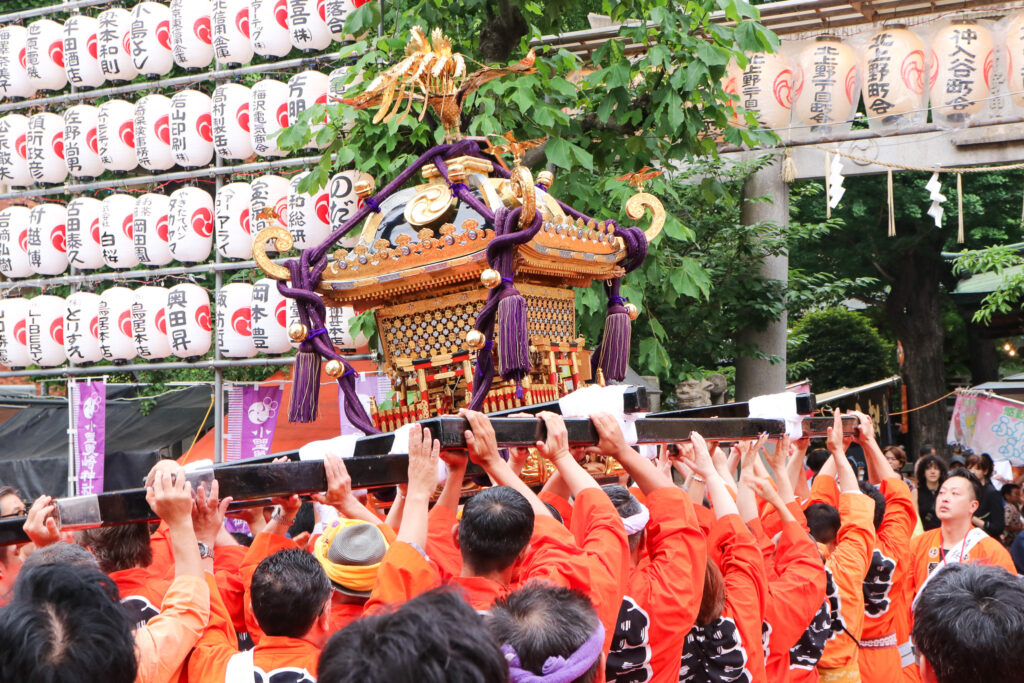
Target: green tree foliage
[{"x": 840, "y": 348}]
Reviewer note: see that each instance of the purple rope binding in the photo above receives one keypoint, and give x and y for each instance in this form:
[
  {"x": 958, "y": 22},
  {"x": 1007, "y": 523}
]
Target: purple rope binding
[{"x": 612, "y": 355}]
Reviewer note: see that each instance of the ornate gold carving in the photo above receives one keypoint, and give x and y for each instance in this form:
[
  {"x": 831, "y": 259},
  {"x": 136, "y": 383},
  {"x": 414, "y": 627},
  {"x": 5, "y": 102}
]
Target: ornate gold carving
[
  {"x": 298, "y": 332},
  {"x": 430, "y": 203},
  {"x": 365, "y": 185},
  {"x": 283, "y": 242},
  {"x": 522, "y": 188},
  {"x": 546, "y": 179},
  {"x": 635, "y": 206}
]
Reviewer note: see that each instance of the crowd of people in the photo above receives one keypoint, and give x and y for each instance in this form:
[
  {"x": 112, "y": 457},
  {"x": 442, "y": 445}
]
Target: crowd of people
[{"x": 748, "y": 570}]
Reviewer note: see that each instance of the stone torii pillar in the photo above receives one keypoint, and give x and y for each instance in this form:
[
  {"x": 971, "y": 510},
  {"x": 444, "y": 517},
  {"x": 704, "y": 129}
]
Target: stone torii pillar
[{"x": 758, "y": 376}]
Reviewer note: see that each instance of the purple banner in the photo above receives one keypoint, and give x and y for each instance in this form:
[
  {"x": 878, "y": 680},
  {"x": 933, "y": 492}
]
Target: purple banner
[
  {"x": 376, "y": 385},
  {"x": 89, "y": 403},
  {"x": 252, "y": 419}
]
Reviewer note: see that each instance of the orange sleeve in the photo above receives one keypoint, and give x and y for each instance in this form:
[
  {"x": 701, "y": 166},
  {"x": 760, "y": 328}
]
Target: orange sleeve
[
  {"x": 217, "y": 645},
  {"x": 263, "y": 545},
  {"x": 705, "y": 518},
  {"x": 824, "y": 490},
  {"x": 553, "y": 556},
  {"x": 404, "y": 573},
  {"x": 165, "y": 641},
  {"x": 765, "y": 544},
  {"x": 900, "y": 517},
  {"x": 996, "y": 555},
  {"x": 559, "y": 503},
  {"x": 798, "y": 513},
  {"x": 441, "y": 546},
  {"x": 163, "y": 557},
  {"x": 798, "y": 589}
]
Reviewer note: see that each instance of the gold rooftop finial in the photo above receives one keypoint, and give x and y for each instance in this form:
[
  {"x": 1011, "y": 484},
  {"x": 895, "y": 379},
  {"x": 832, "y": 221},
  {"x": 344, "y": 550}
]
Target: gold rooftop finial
[{"x": 513, "y": 147}]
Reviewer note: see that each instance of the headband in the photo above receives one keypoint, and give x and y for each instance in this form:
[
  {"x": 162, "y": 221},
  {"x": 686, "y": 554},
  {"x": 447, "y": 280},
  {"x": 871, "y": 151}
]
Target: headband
[
  {"x": 353, "y": 577},
  {"x": 558, "y": 669},
  {"x": 638, "y": 522}
]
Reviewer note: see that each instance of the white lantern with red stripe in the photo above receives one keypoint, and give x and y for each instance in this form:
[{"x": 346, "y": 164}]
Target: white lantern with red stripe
[
  {"x": 44, "y": 55},
  {"x": 152, "y": 128},
  {"x": 149, "y": 323},
  {"x": 115, "y": 45},
  {"x": 150, "y": 229},
  {"x": 14, "y": 150},
  {"x": 191, "y": 128},
  {"x": 14, "y": 261},
  {"x": 231, "y": 216},
  {"x": 45, "y": 144},
  {"x": 46, "y": 331},
  {"x": 14, "y": 333},
  {"x": 82, "y": 328},
  {"x": 1014, "y": 33},
  {"x": 191, "y": 33},
  {"x": 117, "y": 231},
  {"x": 962, "y": 61},
  {"x": 81, "y": 141},
  {"x": 151, "y": 39},
  {"x": 826, "y": 84},
  {"x": 307, "y": 25},
  {"x": 115, "y": 324},
  {"x": 190, "y": 224},
  {"x": 81, "y": 51},
  {"x": 308, "y": 215},
  {"x": 83, "y": 233},
  {"x": 304, "y": 90},
  {"x": 14, "y": 81},
  {"x": 268, "y": 22},
  {"x": 234, "y": 321},
  {"x": 343, "y": 203},
  {"x": 116, "y": 135},
  {"x": 338, "y": 320},
  {"x": 269, "y": 194},
  {"x": 231, "y": 43},
  {"x": 231, "y": 129},
  {"x": 188, "y": 320},
  {"x": 47, "y": 235},
  {"x": 268, "y": 113},
  {"x": 337, "y": 12},
  {"x": 269, "y": 312}
]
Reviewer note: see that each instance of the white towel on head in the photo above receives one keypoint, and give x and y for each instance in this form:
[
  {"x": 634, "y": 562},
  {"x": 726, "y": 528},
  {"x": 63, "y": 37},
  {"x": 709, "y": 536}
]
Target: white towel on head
[
  {"x": 400, "y": 446},
  {"x": 636, "y": 523},
  {"x": 779, "y": 407},
  {"x": 344, "y": 445},
  {"x": 596, "y": 399}
]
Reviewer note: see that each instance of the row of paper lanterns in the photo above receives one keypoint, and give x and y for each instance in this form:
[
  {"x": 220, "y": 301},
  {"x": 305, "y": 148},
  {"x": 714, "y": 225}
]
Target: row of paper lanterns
[
  {"x": 156, "y": 132},
  {"x": 153, "y": 323},
  {"x": 123, "y": 231},
  {"x": 148, "y": 40},
  {"x": 898, "y": 71}
]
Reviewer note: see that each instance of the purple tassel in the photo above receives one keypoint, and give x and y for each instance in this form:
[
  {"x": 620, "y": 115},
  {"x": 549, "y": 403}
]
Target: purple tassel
[
  {"x": 613, "y": 356},
  {"x": 514, "y": 339},
  {"x": 305, "y": 401}
]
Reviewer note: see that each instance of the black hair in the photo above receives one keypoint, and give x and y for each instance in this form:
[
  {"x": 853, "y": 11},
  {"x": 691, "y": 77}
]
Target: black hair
[
  {"x": 61, "y": 553},
  {"x": 1007, "y": 489},
  {"x": 969, "y": 623},
  {"x": 982, "y": 461},
  {"x": 304, "y": 521},
  {"x": 927, "y": 461},
  {"x": 289, "y": 589},
  {"x": 496, "y": 526},
  {"x": 540, "y": 621},
  {"x": 977, "y": 488},
  {"x": 65, "y": 624},
  {"x": 926, "y": 449},
  {"x": 554, "y": 512},
  {"x": 872, "y": 492},
  {"x": 817, "y": 458},
  {"x": 626, "y": 505},
  {"x": 243, "y": 539},
  {"x": 823, "y": 522},
  {"x": 118, "y": 547},
  {"x": 434, "y": 638}
]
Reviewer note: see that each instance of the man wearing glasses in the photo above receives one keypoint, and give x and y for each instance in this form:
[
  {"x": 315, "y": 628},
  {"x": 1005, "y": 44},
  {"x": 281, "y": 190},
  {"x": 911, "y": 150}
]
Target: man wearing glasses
[{"x": 11, "y": 505}]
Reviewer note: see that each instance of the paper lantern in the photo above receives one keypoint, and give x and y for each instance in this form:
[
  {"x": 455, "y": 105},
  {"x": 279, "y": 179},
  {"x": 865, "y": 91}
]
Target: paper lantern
[
  {"x": 304, "y": 90},
  {"x": 44, "y": 55},
  {"x": 151, "y": 124},
  {"x": 116, "y": 135},
  {"x": 14, "y": 262},
  {"x": 190, "y": 224},
  {"x": 825, "y": 83},
  {"x": 961, "y": 71},
  {"x": 231, "y": 129},
  {"x": 336, "y": 12},
  {"x": 1014, "y": 57},
  {"x": 231, "y": 220},
  {"x": 81, "y": 51},
  {"x": 269, "y": 194},
  {"x": 151, "y": 39},
  {"x": 191, "y": 128},
  {"x": 234, "y": 321},
  {"x": 268, "y": 113},
  {"x": 268, "y": 21},
  {"x": 47, "y": 235},
  {"x": 765, "y": 88},
  {"x": 150, "y": 229},
  {"x": 269, "y": 312},
  {"x": 83, "y": 233},
  {"x": 337, "y": 324},
  {"x": 46, "y": 331},
  {"x": 893, "y": 71},
  {"x": 308, "y": 215},
  {"x": 82, "y": 328},
  {"x": 343, "y": 203},
  {"x": 14, "y": 81},
  {"x": 81, "y": 141},
  {"x": 188, "y": 320},
  {"x": 115, "y": 45},
  {"x": 45, "y": 145},
  {"x": 307, "y": 24},
  {"x": 115, "y": 324},
  {"x": 149, "y": 323},
  {"x": 14, "y": 333},
  {"x": 117, "y": 231},
  {"x": 231, "y": 43},
  {"x": 14, "y": 150},
  {"x": 191, "y": 33}
]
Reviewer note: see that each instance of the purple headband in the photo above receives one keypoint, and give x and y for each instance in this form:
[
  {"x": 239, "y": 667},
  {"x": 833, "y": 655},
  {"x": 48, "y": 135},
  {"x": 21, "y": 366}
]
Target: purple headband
[{"x": 558, "y": 669}]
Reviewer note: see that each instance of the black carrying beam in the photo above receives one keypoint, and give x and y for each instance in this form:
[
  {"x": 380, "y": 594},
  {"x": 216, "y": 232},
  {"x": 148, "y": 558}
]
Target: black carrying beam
[{"x": 805, "y": 405}]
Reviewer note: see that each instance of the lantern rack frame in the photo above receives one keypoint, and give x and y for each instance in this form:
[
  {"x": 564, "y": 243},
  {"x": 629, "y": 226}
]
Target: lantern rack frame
[{"x": 216, "y": 365}]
